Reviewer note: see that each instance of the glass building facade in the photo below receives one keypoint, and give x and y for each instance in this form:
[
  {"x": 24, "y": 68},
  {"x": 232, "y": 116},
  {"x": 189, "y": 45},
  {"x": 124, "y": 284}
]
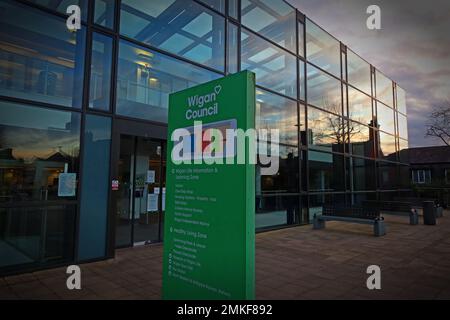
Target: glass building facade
[{"x": 83, "y": 118}]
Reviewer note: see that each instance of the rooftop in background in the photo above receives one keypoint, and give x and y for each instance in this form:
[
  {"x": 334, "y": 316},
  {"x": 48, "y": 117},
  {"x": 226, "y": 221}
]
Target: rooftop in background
[{"x": 430, "y": 155}]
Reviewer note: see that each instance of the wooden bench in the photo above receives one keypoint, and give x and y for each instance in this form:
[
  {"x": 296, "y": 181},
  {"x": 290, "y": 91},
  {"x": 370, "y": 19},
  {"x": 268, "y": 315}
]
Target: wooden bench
[
  {"x": 395, "y": 208},
  {"x": 370, "y": 216}
]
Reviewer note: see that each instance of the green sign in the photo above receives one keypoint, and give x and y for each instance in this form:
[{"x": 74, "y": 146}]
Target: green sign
[{"x": 209, "y": 224}]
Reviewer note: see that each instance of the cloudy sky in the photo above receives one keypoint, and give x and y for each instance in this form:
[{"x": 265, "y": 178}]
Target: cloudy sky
[{"x": 412, "y": 48}]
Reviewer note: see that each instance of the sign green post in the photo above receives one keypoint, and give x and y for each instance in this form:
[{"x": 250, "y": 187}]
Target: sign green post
[{"x": 209, "y": 224}]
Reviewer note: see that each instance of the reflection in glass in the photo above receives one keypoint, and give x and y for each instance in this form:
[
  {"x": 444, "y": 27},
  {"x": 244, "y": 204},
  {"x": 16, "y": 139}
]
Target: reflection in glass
[
  {"x": 36, "y": 146},
  {"x": 385, "y": 118},
  {"x": 358, "y": 72},
  {"x": 387, "y": 175},
  {"x": 104, "y": 13},
  {"x": 384, "y": 89},
  {"x": 218, "y": 5},
  {"x": 100, "y": 82},
  {"x": 322, "y": 49},
  {"x": 363, "y": 173},
  {"x": 233, "y": 9},
  {"x": 402, "y": 126},
  {"x": 146, "y": 78},
  {"x": 274, "y": 19},
  {"x": 361, "y": 140},
  {"x": 275, "y": 211},
  {"x": 387, "y": 147},
  {"x": 317, "y": 202},
  {"x": 287, "y": 178},
  {"x": 324, "y": 91},
  {"x": 40, "y": 59},
  {"x": 325, "y": 131},
  {"x": 301, "y": 39},
  {"x": 326, "y": 171},
  {"x": 274, "y": 67},
  {"x": 359, "y": 106},
  {"x": 61, "y": 6},
  {"x": 233, "y": 48},
  {"x": 275, "y": 112},
  {"x": 401, "y": 100},
  {"x": 403, "y": 151},
  {"x": 301, "y": 76},
  {"x": 181, "y": 27}
]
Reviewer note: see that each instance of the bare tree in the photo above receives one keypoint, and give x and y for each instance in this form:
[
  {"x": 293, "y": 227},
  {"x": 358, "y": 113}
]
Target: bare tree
[{"x": 438, "y": 124}]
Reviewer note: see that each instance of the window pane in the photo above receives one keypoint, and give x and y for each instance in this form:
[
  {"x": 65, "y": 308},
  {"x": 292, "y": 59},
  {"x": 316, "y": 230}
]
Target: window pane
[
  {"x": 402, "y": 126},
  {"x": 287, "y": 178},
  {"x": 183, "y": 28},
  {"x": 301, "y": 39},
  {"x": 322, "y": 49},
  {"x": 385, "y": 118},
  {"x": 62, "y": 5},
  {"x": 387, "y": 175},
  {"x": 218, "y": 5},
  {"x": 275, "y": 112},
  {"x": 401, "y": 100},
  {"x": 363, "y": 172},
  {"x": 384, "y": 89},
  {"x": 358, "y": 72},
  {"x": 233, "y": 9},
  {"x": 326, "y": 171},
  {"x": 325, "y": 130},
  {"x": 359, "y": 106},
  {"x": 404, "y": 151},
  {"x": 274, "y": 68},
  {"x": 302, "y": 80},
  {"x": 324, "y": 91},
  {"x": 94, "y": 195},
  {"x": 233, "y": 48},
  {"x": 37, "y": 146},
  {"x": 274, "y": 19},
  {"x": 146, "y": 78},
  {"x": 100, "y": 82},
  {"x": 40, "y": 59},
  {"x": 104, "y": 13},
  {"x": 276, "y": 211},
  {"x": 387, "y": 147},
  {"x": 361, "y": 140}
]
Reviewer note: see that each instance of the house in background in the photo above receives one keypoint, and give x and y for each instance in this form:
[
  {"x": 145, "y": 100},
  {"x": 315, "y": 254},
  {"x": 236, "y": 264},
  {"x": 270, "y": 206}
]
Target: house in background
[{"x": 430, "y": 172}]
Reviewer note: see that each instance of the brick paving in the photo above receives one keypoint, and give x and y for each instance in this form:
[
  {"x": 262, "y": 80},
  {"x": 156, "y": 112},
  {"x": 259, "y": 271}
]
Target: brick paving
[{"x": 296, "y": 263}]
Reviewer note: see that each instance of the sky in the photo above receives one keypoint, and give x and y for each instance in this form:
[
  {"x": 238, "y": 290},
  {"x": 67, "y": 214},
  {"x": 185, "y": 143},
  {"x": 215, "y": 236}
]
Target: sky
[{"x": 412, "y": 48}]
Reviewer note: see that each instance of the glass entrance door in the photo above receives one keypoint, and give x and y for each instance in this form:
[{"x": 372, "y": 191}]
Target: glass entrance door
[{"x": 141, "y": 194}]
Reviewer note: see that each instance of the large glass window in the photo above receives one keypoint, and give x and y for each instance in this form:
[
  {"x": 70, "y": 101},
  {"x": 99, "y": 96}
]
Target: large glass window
[
  {"x": 387, "y": 175},
  {"x": 324, "y": 91},
  {"x": 301, "y": 39},
  {"x": 286, "y": 180},
  {"x": 40, "y": 59},
  {"x": 363, "y": 173},
  {"x": 38, "y": 148},
  {"x": 275, "y": 112},
  {"x": 104, "y": 13},
  {"x": 94, "y": 192},
  {"x": 274, "y": 19},
  {"x": 100, "y": 82},
  {"x": 361, "y": 140},
  {"x": 274, "y": 68},
  {"x": 218, "y": 5},
  {"x": 387, "y": 147},
  {"x": 326, "y": 171},
  {"x": 62, "y": 5},
  {"x": 359, "y": 106},
  {"x": 385, "y": 118},
  {"x": 233, "y": 48},
  {"x": 358, "y": 72},
  {"x": 384, "y": 88},
  {"x": 146, "y": 78},
  {"x": 322, "y": 49},
  {"x": 403, "y": 151},
  {"x": 401, "y": 100},
  {"x": 402, "y": 126},
  {"x": 325, "y": 130},
  {"x": 277, "y": 210},
  {"x": 181, "y": 27}
]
